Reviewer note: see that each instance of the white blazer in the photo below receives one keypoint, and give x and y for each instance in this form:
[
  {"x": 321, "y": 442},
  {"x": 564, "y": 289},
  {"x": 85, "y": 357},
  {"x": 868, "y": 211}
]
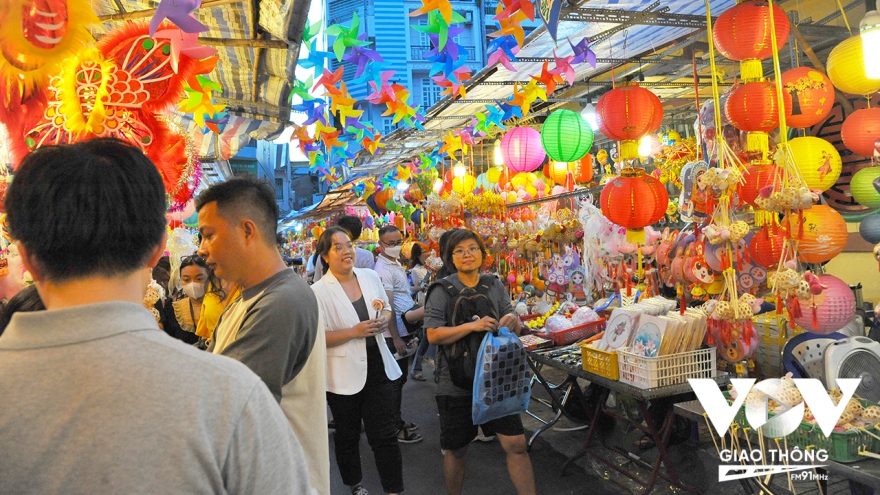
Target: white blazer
[{"x": 347, "y": 363}]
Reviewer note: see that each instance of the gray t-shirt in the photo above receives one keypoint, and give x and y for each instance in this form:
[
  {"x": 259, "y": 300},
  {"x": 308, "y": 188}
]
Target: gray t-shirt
[
  {"x": 435, "y": 317},
  {"x": 98, "y": 399},
  {"x": 278, "y": 332}
]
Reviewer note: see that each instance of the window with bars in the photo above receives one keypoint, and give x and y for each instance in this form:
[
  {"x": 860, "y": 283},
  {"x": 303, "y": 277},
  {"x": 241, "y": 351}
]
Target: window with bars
[{"x": 430, "y": 92}]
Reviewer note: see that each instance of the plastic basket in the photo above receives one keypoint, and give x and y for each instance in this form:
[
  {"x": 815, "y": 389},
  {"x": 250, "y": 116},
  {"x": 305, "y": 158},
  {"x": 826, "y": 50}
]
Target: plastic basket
[
  {"x": 573, "y": 334},
  {"x": 645, "y": 372},
  {"x": 602, "y": 363},
  {"x": 841, "y": 446}
]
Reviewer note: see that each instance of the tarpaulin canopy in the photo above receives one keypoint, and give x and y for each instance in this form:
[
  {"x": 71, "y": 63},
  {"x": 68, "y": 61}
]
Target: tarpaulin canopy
[{"x": 258, "y": 44}]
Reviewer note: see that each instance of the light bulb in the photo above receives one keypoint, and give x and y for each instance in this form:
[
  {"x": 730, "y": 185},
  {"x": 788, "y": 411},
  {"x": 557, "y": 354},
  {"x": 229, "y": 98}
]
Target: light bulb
[
  {"x": 459, "y": 170},
  {"x": 438, "y": 184},
  {"x": 402, "y": 186},
  {"x": 645, "y": 146},
  {"x": 870, "y": 29},
  {"x": 589, "y": 113},
  {"x": 499, "y": 158}
]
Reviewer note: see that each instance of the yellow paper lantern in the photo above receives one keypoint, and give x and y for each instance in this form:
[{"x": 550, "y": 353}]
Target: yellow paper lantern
[
  {"x": 820, "y": 231},
  {"x": 493, "y": 174},
  {"x": 558, "y": 171},
  {"x": 464, "y": 184},
  {"x": 846, "y": 68},
  {"x": 862, "y": 187},
  {"x": 817, "y": 160}
]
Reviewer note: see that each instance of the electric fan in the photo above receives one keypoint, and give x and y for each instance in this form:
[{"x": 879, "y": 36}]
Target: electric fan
[
  {"x": 855, "y": 357},
  {"x": 804, "y": 354}
]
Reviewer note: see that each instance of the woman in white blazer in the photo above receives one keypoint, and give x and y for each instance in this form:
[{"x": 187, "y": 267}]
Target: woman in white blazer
[{"x": 360, "y": 368}]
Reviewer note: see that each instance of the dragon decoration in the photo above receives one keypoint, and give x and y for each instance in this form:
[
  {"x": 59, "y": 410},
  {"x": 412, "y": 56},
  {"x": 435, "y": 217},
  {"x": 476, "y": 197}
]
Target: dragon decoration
[
  {"x": 59, "y": 88},
  {"x": 327, "y": 146}
]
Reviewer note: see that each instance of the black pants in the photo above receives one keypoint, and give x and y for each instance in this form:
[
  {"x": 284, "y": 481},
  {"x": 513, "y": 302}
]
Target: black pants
[
  {"x": 397, "y": 398},
  {"x": 370, "y": 405}
]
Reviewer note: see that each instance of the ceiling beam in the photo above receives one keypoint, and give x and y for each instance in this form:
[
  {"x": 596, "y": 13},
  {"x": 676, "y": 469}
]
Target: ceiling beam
[
  {"x": 143, "y": 14},
  {"x": 238, "y": 42}
]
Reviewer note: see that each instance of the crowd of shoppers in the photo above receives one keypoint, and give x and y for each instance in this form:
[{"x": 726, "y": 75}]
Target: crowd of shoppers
[{"x": 87, "y": 360}]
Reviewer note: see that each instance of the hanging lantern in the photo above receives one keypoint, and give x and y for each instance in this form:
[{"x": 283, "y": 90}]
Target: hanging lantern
[
  {"x": 758, "y": 176},
  {"x": 566, "y": 136},
  {"x": 817, "y": 160},
  {"x": 558, "y": 171},
  {"x": 834, "y": 307},
  {"x": 584, "y": 170},
  {"x": 846, "y": 68},
  {"x": 766, "y": 246},
  {"x": 861, "y": 130},
  {"x": 464, "y": 184},
  {"x": 820, "y": 231},
  {"x": 753, "y": 107},
  {"x": 522, "y": 150},
  {"x": 742, "y": 33},
  {"x": 634, "y": 200},
  {"x": 862, "y": 187},
  {"x": 626, "y": 114},
  {"x": 869, "y": 228},
  {"x": 808, "y": 96}
]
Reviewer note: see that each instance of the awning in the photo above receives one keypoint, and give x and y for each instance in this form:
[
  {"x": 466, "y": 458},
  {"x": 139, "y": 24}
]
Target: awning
[{"x": 258, "y": 43}]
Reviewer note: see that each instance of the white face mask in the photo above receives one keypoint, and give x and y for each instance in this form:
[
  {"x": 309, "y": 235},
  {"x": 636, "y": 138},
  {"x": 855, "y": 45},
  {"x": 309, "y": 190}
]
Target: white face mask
[
  {"x": 194, "y": 290},
  {"x": 392, "y": 252}
]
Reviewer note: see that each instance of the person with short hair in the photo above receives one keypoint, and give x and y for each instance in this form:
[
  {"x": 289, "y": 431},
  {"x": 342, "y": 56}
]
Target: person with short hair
[
  {"x": 396, "y": 285},
  {"x": 275, "y": 327},
  {"x": 364, "y": 258},
  {"x": 360, "y": 368},
  {"x": 466, "y": 252},
  {"x": 96, "y": 403}
]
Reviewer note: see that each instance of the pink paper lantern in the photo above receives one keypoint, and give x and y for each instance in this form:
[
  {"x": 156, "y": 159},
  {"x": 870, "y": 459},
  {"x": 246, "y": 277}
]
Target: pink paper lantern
[
  {"x": 835, "y": 307},
  {"x": 522, "y": 150}
]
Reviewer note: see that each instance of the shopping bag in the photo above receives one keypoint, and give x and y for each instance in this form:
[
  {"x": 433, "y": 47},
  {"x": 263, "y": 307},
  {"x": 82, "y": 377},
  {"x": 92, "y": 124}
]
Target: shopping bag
[{"x": 502, "y": 385}]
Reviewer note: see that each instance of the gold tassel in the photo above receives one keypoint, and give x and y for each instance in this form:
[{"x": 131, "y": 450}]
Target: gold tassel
[
  {"x": 636, "y": 236},
  {"x": 758, "y": 141},
  {"x": 751, "y": 70},
  {"x": 629, "y": 149}
]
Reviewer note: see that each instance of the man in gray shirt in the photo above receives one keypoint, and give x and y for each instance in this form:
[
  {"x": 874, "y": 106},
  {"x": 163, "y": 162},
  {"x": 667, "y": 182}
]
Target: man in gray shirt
[
  {"x": 97, "y": 398},
  {"x": 275, "y": 327}
]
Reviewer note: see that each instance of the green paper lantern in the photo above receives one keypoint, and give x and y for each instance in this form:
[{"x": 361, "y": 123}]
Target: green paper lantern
[
  {"x": 566, "y": 136},
  {"x": 862, "y": 187}
]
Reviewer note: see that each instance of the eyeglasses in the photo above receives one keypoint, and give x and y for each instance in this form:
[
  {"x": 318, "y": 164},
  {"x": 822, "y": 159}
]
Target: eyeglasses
[
  {"x": 341, "y": 248},
  {"x": 458, "y": 253},
  {"x": 393, "y": 244}
]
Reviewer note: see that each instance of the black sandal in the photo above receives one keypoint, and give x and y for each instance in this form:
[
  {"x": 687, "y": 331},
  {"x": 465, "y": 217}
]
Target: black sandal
[{"x": 407, "y": 436}]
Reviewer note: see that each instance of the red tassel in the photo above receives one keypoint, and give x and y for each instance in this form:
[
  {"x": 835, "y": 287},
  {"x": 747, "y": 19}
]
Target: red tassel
[
  {"x": 747, "y": 337},
  {"x": 815, "y": 318},
  {"x": 682, "y": 305},
  {"x": 778, "y": 304},
  {"x": 739, "y": 262},
  {"x": 801, "y": 224}
]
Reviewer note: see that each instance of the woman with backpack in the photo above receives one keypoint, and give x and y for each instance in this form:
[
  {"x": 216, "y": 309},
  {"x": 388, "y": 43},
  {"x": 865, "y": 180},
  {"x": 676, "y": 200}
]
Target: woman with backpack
[{"x": 459, "y": 309}]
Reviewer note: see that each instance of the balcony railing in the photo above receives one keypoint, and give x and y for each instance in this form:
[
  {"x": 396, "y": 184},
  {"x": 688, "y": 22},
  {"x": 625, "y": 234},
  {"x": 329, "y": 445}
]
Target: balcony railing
[
  {"x": 489, "y": 9},
  {"x": 417, "y": 52}
]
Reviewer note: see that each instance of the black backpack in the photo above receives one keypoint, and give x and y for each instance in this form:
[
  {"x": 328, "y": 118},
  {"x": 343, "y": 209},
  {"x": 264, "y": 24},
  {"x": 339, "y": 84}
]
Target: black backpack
[{"x": 460, "y": 357}]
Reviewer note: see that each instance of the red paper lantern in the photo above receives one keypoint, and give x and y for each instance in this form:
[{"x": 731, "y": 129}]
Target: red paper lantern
[
  {"x": 757, "y": 177},
  {"x": 626, "y": 114},
  {"x": 742, "y": 33},
  {"x": 861, "y": 130},
  {"x": 808, "y": 96},
  {"x": 584, "y": 169},
  {"x": 766, "y": 246},
  {"x": 753, "y": 107},
  {"x": 634, "y": 200}
]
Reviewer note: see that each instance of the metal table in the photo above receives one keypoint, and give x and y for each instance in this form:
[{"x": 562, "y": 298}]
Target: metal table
[
  {"x": 659, "y": 433},
  {"x": 865, "y": 473}
]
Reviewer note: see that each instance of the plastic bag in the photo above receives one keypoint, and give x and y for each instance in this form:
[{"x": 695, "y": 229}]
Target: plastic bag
[{"x": 502, "y": 385}]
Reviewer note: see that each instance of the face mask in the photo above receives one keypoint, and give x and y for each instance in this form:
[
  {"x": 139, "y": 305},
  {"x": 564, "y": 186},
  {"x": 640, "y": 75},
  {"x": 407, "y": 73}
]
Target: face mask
[
  {"x": 194, "y": 290},
  {"x": 392, "y": 252}
]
